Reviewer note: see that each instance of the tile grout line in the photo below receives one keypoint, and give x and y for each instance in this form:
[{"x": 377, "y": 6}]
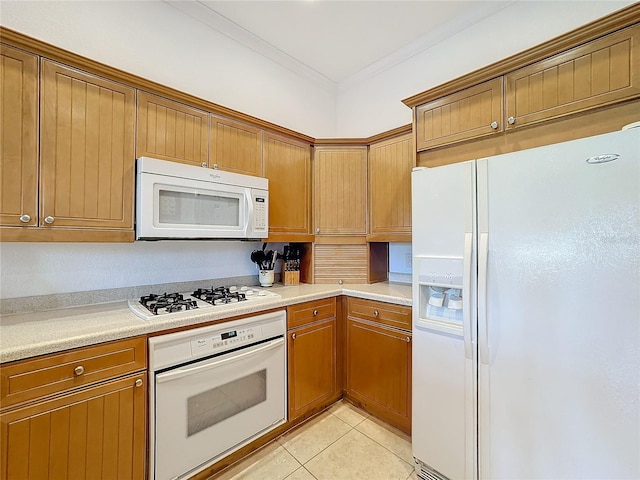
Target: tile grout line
[{"x": 383, "y": 446}]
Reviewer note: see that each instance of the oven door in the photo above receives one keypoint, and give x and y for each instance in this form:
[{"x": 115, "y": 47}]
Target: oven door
[
  {"x": 210, "y": 408},
  {"x": 172, "y": 207}
]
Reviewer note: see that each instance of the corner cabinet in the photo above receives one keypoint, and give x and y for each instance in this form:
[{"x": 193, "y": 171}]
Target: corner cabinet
[
  {"x": 390, "y": 165},
  {"x": 19, "y": 146},
  {"x": 470, "y": 113},
  {"x": 592, "y": 75},
  {"x": 287, "y": 165},
  {"x": 235, "y": 146},
  {"x": 172, "y": 131},
  {"x": 312, "y": 356},
  {"x": 378, "y": 360},
  {"x": 76, "y": 414}
]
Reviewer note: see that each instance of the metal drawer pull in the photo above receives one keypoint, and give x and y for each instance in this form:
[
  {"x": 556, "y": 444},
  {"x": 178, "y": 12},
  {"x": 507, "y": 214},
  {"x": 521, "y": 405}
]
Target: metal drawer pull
[
  {"x": 315, "y": 313},
  {"x": 79, "y": 370},
  {"x": 25, "y": 218},
  {"x": 49, "y": 219},
  {"x": 139, "y": 382},
  {"x": 375, "y": 313}
]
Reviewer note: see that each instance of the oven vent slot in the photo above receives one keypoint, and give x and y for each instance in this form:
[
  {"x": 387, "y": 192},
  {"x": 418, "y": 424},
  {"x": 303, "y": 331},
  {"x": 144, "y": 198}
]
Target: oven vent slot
[{"x": 425, "y": 472}]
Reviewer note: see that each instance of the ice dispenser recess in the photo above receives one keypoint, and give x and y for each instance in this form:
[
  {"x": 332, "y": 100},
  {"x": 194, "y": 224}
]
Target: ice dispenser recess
[{"x": 440, "y": 293}]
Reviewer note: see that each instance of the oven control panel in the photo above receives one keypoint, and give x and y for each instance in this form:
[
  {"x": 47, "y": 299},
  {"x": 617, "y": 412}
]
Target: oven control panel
[{"x": 226, "y": 340}]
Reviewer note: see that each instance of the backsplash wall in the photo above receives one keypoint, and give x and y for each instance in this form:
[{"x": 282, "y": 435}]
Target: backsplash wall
[{"x": 30, "y": 269}]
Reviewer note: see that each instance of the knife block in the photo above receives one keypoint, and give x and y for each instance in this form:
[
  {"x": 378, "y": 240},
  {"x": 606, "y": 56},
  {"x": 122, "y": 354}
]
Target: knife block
[{"x": 291, "y": 278}]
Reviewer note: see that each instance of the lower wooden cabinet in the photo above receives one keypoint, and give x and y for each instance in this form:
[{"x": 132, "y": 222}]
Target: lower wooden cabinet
[
  {"x": 94, "y": 433},
  {"x": 378, "y": 365},
  {"x": 312, "y": 356}
]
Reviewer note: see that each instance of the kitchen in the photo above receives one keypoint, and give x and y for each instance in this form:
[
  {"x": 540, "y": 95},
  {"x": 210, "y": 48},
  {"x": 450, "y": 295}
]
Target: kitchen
[{"x": 39, "y": 269}]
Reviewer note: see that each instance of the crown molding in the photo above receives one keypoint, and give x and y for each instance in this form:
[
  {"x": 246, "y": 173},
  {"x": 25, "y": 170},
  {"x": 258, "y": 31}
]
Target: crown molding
[{"x": 200, "y": 12}]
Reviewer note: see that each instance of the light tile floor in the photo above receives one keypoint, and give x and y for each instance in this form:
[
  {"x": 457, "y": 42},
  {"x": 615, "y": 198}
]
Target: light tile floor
[{"x": 342, "y": 443}]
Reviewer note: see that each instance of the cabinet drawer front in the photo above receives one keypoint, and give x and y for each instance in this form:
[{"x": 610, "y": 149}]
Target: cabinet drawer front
[
  {"x": 460, "y": 116},
  {"x": 30, "y": 379},
  {"x": 311, "y": 312},
  {"x": 397, "y": 316},
  {"x": 598, "y": 73}
]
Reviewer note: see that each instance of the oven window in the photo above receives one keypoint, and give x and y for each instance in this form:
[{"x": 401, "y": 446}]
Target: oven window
[
  {"x": 213, "y": 406},
  {"x": 197, "y": 208}
]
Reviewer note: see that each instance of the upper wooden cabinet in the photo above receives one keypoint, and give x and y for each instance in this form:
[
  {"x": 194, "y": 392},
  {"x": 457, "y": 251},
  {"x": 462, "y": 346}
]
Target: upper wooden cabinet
[
  {"x": 470, "y": 113},
  {"x": 236, "y": 146},
  {"x": 390, "y": 165},
  {"x": 172, "y": 131},
  {"x": 87, "y": 150},
  {"x": 19, "y": 146},
  {"x": 287, "y": 165},
  {"x": 340, "y": 190},
  {"x": 595, "y": 74}
]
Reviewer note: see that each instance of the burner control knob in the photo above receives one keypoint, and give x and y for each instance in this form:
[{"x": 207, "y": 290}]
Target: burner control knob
[
  {"x": 233, "y": 288},
  {"x": 262, "y": 293},
  {"x": 244, "y": 289},
  {"x": 249, "y": 292}
]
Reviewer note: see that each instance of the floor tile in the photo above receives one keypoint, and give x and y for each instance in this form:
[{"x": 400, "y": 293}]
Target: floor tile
[
  {"x": 313, "y": 437},
  {"x": 272, "y": 462},
  {"x": 300, "y": 474},
  {"x": 356, "y": 456},
  {"x": 348, "y": 413},
  {"x": 389, "y": 437}
]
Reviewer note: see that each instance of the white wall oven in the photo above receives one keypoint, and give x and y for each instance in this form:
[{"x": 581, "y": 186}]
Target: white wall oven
[
  {"x": 214, "y": 390},
  {"x": 178, "y": 201}
]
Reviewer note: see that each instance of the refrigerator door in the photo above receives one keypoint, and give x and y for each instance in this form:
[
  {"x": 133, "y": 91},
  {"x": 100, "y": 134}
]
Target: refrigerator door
[
  {"x": 443, "y": 384},
  {"x": 559, "y": 328}
]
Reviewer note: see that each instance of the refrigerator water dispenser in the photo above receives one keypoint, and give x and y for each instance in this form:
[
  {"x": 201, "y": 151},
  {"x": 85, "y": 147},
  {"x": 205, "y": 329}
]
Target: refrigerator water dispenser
[{"x": 439, "y": 281}]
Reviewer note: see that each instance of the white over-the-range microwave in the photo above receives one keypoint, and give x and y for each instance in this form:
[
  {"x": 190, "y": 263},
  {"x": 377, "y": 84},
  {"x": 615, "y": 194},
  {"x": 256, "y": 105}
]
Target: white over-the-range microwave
[{"x": 178, "y": 201}]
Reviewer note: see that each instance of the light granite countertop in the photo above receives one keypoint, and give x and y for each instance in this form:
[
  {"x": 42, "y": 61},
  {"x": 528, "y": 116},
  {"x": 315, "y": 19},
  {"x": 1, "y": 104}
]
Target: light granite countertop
[{"x": 25, "y": 335}]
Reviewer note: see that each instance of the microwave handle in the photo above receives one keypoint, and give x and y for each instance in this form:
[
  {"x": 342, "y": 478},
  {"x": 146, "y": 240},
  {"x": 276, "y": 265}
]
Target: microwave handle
[
  {"x": 183, "y": 372},
  {"x": 250, "y": 221}
]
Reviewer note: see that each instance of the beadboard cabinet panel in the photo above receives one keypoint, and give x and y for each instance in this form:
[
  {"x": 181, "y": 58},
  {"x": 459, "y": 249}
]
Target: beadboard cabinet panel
[
  {"x": 236, "y": 147},
  {"x": 341, "y": 263},
  {"x": 87, "y": 150},
  {"x": 19, "y": 142},
  {"x": 595, "y": 74},
  {"x": 340, "y": 190},
  {"x": 287, "y": 165},
  {"x": 172, "y": 131},
  {"x": 390, "y": 165}
]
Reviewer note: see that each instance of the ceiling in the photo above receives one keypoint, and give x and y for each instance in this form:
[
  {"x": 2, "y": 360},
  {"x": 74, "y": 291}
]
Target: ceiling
[{"x": 338, "y": 42}]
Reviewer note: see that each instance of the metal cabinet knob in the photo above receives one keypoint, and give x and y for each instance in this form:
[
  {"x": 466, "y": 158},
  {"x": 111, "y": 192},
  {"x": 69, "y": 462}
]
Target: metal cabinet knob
[
  {"x": 25, "y": 218},
  {"x": 511, "y": 120},
  {"x": 315, "y": 313},
  {"x": 49, "y": 219},
  {"x": 138, "y": 382},
  {"x": 293, "y": 336},
  {"x": 375, "y": 313},
  {"x": 339, "y": 282},
  {"x": 494, "y": 125},
  {"x": 408, "y": 339},
  {"x": 79, "y": 370},
  {"x": 215, "y": 166},
  {"x": 317, "y": 230},
  {"x": 204, "y": 164}
]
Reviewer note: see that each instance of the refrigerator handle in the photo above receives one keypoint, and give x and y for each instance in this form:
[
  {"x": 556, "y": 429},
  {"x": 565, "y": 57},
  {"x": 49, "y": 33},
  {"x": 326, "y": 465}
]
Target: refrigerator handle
[
  {"x": 466, "y": 294},
  {"x": 483, "y": 333}
]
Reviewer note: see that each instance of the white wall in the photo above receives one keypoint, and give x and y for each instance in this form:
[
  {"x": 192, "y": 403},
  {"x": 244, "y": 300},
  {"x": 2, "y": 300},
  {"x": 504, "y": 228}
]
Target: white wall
[
  {"x": 375, "y": 105},
  {"x": 155, "y": 41}
]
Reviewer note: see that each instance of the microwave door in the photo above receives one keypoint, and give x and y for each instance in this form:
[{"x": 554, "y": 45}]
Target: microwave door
[{"x": 184, "y": 208}]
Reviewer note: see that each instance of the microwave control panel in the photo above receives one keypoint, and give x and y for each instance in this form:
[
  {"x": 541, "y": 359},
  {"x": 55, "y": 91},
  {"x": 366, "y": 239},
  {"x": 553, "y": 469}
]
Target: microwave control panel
[{"x": 260, "y": 211}]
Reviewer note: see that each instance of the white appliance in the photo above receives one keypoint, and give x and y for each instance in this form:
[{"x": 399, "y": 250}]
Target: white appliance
[
  {"x": 180, "y": 201},
  {"x": 214, "y": 389},
  {"x": 537, "y": 375}
]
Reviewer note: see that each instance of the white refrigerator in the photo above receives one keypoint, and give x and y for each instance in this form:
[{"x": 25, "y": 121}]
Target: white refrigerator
[{"x": 526, "y": 315}]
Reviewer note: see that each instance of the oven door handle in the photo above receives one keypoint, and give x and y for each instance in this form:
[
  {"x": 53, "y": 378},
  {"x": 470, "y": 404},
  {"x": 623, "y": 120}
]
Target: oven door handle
[{"x": 183, "y": 372}]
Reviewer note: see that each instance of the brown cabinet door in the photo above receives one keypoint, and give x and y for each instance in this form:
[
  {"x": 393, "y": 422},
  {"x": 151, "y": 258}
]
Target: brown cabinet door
[
  {"x": 172, "y": 131},
  {"x": 463, "y": 115},
  {"x": 378, "y": 371},
  {"x": 87, "y": 150},
  {"x": 390, "y": 165},
  {"x": 236, "y": 147},
  {"x": 595, "y": 74},
  {"x": 287, "y": 165},
  {"x": 312, "y": 366},
  {"x": 340, "y": 264},
  {"x": 340, "y": 190},
  {"x": 96, "y": 433},
  {"x": 19, "y": 143}
]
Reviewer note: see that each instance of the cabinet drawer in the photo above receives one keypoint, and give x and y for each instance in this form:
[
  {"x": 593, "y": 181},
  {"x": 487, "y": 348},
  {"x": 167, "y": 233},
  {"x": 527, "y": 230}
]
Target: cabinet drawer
[
  {"x": 397, "y": 316},
  {"x": 34, "y": 378},
  {"x": 311, "y": 312}
]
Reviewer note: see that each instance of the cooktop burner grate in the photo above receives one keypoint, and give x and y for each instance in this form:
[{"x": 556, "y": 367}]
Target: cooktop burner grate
[{"x": 167, "y": 303}]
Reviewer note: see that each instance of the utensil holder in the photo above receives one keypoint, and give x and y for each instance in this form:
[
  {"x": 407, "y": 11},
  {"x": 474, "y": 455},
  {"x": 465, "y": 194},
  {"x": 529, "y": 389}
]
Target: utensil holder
[
  {"x": 266, "y": 278},
  {"x": 291, "y": 278}
]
